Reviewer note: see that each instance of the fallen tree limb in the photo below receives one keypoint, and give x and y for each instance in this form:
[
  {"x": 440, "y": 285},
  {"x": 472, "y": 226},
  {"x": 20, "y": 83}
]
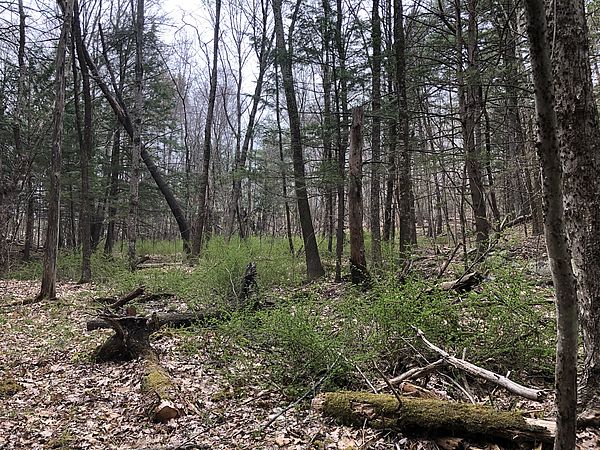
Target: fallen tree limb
[
  {"x": 479, "y": 372},
  {"x": 417, "y": 372},
  {"x": 115, "y": 302},
  {"x": 175, "y": 320},
  {"x": 463, "y": 284},
  {"x": 432, "y": 417}
]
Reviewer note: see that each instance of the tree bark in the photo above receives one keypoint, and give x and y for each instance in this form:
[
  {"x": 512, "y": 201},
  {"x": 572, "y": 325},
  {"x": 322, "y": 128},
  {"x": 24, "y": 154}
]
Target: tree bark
[
  {"x": 554, "y": 228},
  {"x": 431, "y": 417},
  {"x": 358, "y": 261},
  {"x": 120, "y": 110},
  {"x": 406, "y": 204},
  {"x": 579, "y": 140},
  {"x": 376, "y": 137},
  {"x": 313, "y": 260},
  {"x": 470, "y": 113},
  {"x": 85, "y": 151},
  {"x": 48, "y": 288},
  {"x": 202, "y": 213}
]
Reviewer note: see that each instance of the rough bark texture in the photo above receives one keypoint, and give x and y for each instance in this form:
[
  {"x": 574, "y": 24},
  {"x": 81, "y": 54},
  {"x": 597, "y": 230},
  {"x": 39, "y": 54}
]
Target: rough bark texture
[
  {"x": 358, "y": 261},
  {"x": 313, "y": 260},
  {"x": 48, "y": 288},
  {"x": 431, "y": 417},
  {"x": 579, "y": 140},
  {"x": 136, "y": 150},
  {"x": 558, "y": 251}
]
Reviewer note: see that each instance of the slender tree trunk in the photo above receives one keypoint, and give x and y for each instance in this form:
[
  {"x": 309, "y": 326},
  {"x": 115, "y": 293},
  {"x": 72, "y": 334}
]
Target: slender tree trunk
[
  {"x": 288, "y": 219},
  {"x": 406, "y": 204},
  {"x": 29, "y": 221},
  {"x": 85, "y": 150},
  {"x": 134, "y": 174},
  {"x": 579, "y": 139},
  {"x": 48, "y": 288},
  {"x": 113, "y": 191},
  {"x": 313, "y": 260},
  {"x": 197, "y": 244},
  {"x": 470, "y": 112},
  {"x": 358, "y": 262},
  {"x": 556, "y": 241},
  {"x": 376, "y": 138},
  {"x": 240, "y": 160}
]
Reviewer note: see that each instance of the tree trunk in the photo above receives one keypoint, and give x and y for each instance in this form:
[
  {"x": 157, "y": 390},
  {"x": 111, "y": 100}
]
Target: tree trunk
[
  {"x": 554, "y": 227},
  {"x": 48, "y": 288},
  {"x": 202, "y": 213},
  {"x": 240, "y": 161},
  {"x": 376, "y": 138},
  {"x": 431, "y": 417},
  {"x": 85, "y": 151},
  {"x": 358, "y": 262},
  {"x": 288, "y": 218},
  {"x": 120, "y": 110},
  {"x": 406, "y": 204},
  {"x": 113, "y": 191},
  {"x": 579, "y": 140},
  {"x": 470, "y": 113},
  {"x": 313, "y": 260}
]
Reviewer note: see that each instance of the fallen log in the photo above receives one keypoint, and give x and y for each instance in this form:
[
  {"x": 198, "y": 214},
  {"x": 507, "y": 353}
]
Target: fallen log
[
  {"x": 463, "y": 284},
  {"x": 431, "y": 417},
  {"x": 479, "y": 372},
  {"x": 175, "y": 320}
]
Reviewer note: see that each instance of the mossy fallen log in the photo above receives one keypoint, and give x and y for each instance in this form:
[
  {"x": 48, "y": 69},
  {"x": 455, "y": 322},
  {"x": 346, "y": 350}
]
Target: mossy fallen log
[
  {"x": 432, "y": 417},
  {"x": 157, "y": 386}
]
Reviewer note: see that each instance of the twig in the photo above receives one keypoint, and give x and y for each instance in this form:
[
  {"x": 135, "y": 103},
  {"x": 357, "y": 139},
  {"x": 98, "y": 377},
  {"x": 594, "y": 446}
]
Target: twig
[{"x": 394, "y": 391}]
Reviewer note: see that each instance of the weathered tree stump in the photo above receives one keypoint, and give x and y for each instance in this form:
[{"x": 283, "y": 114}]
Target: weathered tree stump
[{"x": 131, "y": 341}]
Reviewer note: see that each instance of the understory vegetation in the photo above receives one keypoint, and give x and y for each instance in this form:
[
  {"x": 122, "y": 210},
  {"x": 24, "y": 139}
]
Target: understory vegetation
[{"x": 333, "y": 335}]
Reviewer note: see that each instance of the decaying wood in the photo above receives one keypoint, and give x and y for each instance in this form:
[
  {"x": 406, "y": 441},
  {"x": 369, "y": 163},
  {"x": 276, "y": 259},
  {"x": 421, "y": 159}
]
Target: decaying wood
[
  {"x": 174, "y": 320},
  {"x": 479, "y": 372},
  {"x": 159, "y": 389},
  {"x": 130, "y": 341},
  {"x": 115, "y": 302},
  {"x": 463, "y": 284},
  {"x": 444, "y": 266},
  {"x": 431, "y": 417},
  {"x": 249, "y": 286},
  {"x": 516, "y": 221}
]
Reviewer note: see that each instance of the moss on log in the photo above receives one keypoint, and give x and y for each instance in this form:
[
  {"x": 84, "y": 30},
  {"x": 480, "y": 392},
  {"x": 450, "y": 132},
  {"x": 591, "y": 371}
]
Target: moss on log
[
  {"x": 431, "y": 417},
  {"x": 157, "y": 384}
]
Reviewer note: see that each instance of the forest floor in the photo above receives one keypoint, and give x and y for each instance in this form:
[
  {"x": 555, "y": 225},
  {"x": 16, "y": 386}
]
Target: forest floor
[{"x": 53, "y": 396}]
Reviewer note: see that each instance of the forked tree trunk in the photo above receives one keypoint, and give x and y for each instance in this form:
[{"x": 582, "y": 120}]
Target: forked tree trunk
[
  {"x": 313, "y": 260},
  {"x": 48, "y": 288},
  {"x": 554, "y": 227}
]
